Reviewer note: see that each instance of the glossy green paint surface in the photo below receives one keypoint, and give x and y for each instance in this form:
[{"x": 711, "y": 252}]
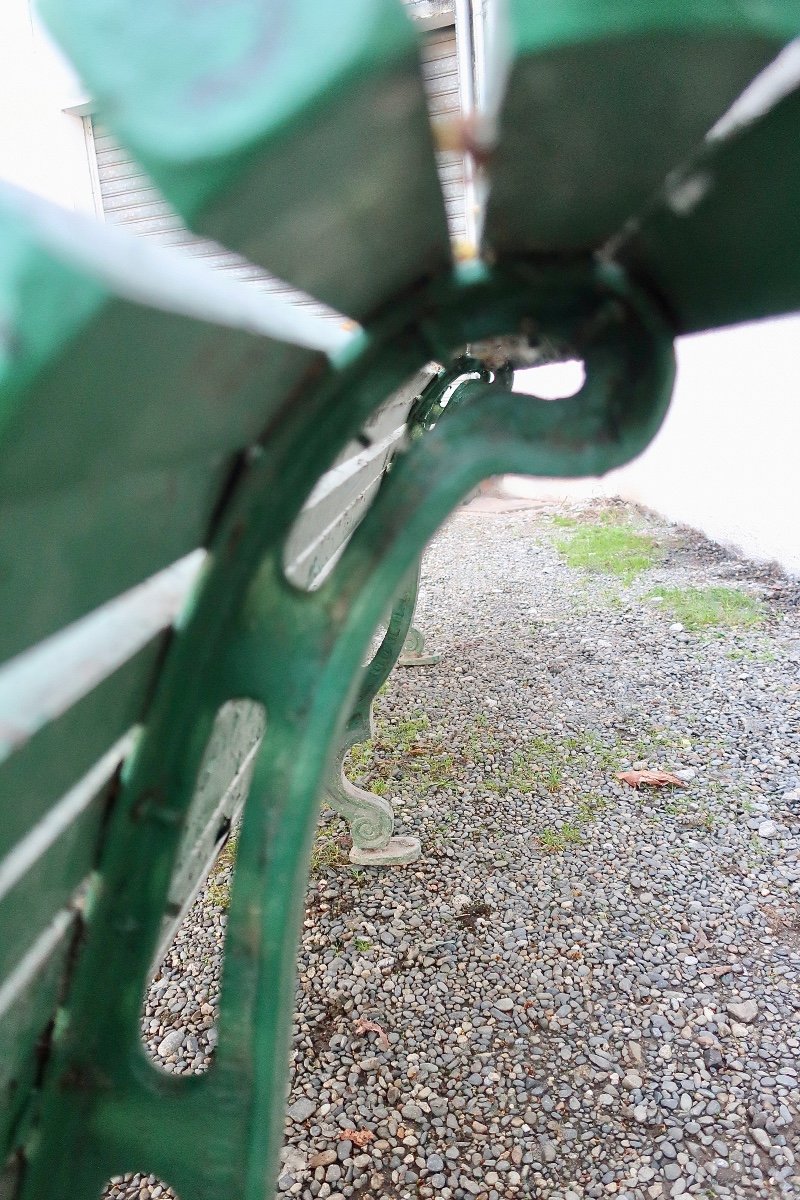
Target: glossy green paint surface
[
  {"x": 605, "y": 98},
  {"x": 722, "y": 245},
  {"x": 134, "y": 428},
  {"x": 295, "y": 133}
]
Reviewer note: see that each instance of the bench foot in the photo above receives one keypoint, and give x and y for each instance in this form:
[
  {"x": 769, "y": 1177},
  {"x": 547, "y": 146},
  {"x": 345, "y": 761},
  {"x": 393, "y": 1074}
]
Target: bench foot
[
  {"x": 369, "y": 817},
  {"x": 397, "y": 852},
  {"x": 413, "y": 655}
]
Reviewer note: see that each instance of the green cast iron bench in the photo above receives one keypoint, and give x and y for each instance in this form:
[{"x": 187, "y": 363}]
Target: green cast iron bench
[{"x": 148, "y": 411}]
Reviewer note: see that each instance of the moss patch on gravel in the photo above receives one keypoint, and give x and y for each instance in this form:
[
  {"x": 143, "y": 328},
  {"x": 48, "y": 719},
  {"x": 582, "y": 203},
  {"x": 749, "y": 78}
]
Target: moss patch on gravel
[
  {"x": 555, "y": 841},
  {"x": 548, "y": 763},
  {"x": 609, "y": 549},
  {"x": 711, "y": 607},
  {"x": 407, "y": 751}
]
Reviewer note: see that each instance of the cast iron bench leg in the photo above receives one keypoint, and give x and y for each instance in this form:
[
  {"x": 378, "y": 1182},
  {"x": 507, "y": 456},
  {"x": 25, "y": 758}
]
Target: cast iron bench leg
[
  {"x": 413, "y": 654},
  {"x": 370, "y": 817}
]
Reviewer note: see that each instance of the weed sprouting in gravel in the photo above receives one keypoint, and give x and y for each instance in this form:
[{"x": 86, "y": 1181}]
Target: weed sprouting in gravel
[
  {"x": 220, "y": 880},
  {"x": 555, "y": 841},
  {"x": 609, "y": 549},
  {"x": 751, "y": 654},
  {"x": 711, "y": 607},
  {"x": 326, "y": 852},
  {"x": 554, "y": 777},
  {"x": 409, "y": 751},
  {"x": 590, "y": 808}
]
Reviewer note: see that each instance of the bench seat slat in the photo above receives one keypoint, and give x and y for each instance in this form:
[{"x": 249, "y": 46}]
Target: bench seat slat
[
  {"x": 122, "y": 408},
  {"x": 93, "y": 542},
  {"x": 52, "y": 877},
  {"x": 34, "y": 777},
  {"x": 604, "y": 99},
  {"x": 721, "y": 246},
  {"x": 28, "y": 1002},
  {"x": 296, "y": 135}
]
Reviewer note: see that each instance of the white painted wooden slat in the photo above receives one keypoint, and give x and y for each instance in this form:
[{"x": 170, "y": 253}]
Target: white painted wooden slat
[
  {"x": 41, "y": 684},
  {"x": 440, "y": 71},
  {"x": 130, "y": 199}
]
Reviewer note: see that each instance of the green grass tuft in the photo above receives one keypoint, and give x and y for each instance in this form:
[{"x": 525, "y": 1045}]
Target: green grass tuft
[
  {"x": 326, "y": 852},
  {"x": 706, "y": 608},
  {"x": 555, "y": 841},
  {"x": 410, "y": 752},
  {"x": 609, "y": 550},
  {"x": 220, "y": 879}
]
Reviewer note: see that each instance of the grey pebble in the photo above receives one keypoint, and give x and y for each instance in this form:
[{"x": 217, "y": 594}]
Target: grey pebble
[
  {"x": 302, "y": 1109},
  {"x": 744, "y": 1011}
]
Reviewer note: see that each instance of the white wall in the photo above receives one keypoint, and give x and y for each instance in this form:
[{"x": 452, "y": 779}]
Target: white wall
[
  {"x": 727, "y": 458},
  {"x": 41, "y": 146}
]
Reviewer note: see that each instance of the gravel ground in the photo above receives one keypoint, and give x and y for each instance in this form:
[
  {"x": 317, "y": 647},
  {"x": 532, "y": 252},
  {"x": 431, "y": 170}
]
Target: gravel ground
[{"x": 581, "y": 990}]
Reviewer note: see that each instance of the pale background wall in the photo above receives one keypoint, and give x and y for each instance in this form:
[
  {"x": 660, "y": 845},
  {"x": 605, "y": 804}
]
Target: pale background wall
[
  {"x": 41, "y": 146},
  {"x": 726, "y": 459}
]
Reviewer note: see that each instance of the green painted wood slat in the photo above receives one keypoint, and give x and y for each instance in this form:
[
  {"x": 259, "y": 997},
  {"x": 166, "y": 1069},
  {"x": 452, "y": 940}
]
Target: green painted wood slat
[
  {"x": 112, "y": 465},
  {"x": 603, "y": 99},
  {"x": 296, "y": 134},
  {"x": 722, "y": 245}
]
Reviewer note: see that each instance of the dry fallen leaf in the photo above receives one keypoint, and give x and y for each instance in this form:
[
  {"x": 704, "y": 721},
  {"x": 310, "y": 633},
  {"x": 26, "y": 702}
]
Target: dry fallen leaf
[
  {"x": 363, "y": 1026},
  {"x": 658, "y": 779},
  {"x": 359, "y": 1137}
]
